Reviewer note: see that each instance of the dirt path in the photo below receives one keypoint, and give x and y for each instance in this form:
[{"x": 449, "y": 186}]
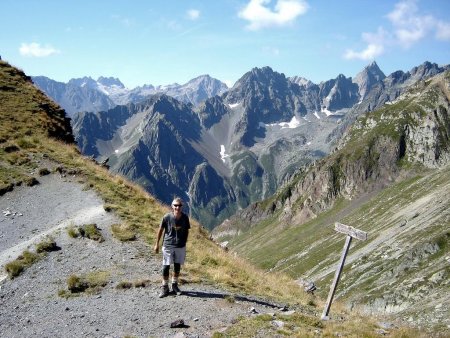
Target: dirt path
[
  {"x": 30, "y": 305},
  {"x": 84, "y": 216}
]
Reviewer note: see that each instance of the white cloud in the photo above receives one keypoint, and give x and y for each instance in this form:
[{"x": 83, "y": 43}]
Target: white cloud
[
  {"x": 370, "y": 53},
  {"x": 375, "y": 46},
  {"x": 408, "y": 27},
  {"x": 260, "y": 16},
  {"x": 36, "y": 50},
  {"x": 193, "y": 14}
]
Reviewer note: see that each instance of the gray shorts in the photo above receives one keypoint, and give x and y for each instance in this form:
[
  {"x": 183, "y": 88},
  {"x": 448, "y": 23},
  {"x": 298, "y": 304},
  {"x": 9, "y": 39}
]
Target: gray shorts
[{"x": 173, "y": 255}]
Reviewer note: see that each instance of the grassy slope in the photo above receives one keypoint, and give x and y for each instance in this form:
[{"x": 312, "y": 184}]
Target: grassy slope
[
  {"x": 26, "y": 117},
  {"x": 408, "y": 226}
]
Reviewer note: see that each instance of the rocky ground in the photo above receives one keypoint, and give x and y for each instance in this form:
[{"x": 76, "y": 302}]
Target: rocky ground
[{"x": 31, "y": 306}]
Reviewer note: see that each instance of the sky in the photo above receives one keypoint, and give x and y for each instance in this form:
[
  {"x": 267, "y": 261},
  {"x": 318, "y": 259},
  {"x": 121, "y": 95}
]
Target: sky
[{"x": 161, "y": 42}]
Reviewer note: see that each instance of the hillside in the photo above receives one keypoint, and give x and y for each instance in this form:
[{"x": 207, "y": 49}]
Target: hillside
[
  {"x": 105, "y": 283},
  {"x": 390, "y": 177}
]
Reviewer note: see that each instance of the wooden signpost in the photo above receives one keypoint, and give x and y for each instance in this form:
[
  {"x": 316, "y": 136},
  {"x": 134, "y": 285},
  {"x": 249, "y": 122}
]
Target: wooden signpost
[{"x": 351, "y": 232}]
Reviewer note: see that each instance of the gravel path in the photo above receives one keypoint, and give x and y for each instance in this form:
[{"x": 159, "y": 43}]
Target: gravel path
[{"x": 30, "y": 305}]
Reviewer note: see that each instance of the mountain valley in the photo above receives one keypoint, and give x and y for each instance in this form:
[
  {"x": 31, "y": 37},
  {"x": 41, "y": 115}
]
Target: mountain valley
[
  {"x": 237, "y": 148},
  {"x": 388, "y": 176}
]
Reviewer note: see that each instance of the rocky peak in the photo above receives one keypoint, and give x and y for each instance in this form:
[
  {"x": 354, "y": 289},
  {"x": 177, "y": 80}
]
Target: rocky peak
[
  {"x": 367, "y": 78},
  {"x": 85, "y": 81},
  {"x": 426, "y": 69},
  {"x": 259, "y": 84},
  {"x": 211, "y": 111},
  {"x": 338, "y": 93},
  {"x": 110, "y": 81},
  {"x": 301, "y": 81}
]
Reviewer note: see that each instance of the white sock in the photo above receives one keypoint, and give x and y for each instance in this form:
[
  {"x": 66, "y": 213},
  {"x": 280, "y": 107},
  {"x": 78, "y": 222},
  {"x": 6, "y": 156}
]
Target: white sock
[
  {"x": 174, "y": 279},
  {"x": 165, "y": 282}
]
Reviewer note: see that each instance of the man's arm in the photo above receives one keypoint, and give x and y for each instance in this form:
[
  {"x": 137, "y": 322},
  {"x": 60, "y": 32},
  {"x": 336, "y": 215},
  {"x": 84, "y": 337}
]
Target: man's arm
[{"x": 158, "y": 238}]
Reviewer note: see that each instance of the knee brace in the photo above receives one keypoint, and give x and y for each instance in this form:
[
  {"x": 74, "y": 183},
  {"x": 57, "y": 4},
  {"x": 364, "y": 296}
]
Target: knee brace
[
  {"x": 165, "y": 271},
  {"x": 176, "y": 268}
]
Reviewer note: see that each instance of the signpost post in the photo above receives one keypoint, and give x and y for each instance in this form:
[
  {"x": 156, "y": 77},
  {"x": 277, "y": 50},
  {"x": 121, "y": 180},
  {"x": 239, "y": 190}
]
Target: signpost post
[{"x": 351, "y": 233}]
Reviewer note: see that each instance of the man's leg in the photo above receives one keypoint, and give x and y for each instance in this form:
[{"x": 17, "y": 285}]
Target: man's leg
[
  {"x": 176, "y": 274},
  {"x": 165, "y": 283},
  {"x": 167, "y": 253}
]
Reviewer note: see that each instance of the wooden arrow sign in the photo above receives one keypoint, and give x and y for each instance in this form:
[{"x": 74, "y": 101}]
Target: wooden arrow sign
[{"x": 351, "y": 232}]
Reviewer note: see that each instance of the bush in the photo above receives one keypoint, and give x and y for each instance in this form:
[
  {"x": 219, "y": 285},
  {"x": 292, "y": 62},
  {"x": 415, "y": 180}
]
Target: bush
[
  {"x": 44, "y": 171},
  {"x": 90, "y": 282},
  {"x": 76, "y": 284},
  {"x": 91, "y": 231},
  {"x": 124, "y": 285},
  {"x": 47, "y": 246},
  {"x": 141, "y": 283},
  {"x": 30, "y": 181},
  {"x": 16, "y": 267},
  {"x": 73, "y": 232}
]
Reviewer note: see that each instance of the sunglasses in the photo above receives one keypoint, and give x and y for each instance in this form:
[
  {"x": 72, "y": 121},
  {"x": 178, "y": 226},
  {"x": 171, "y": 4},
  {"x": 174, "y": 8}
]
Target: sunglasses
[{"x": 177, "y": 205}]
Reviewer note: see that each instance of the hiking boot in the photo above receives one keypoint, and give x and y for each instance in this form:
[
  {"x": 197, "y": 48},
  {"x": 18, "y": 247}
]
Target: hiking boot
[
  {"x": 176, "y": 289},
  {"x": 164, "y": 291}
]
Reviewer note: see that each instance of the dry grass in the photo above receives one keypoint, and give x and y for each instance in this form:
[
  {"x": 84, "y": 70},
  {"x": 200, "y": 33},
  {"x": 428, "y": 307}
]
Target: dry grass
[
  {"x": 47, "y": 245},
  {"x": 91, "y": 282},
  {"x": 91, "y": 231},
  {"x": 123, "y": 232},
  {"x": 17, "y": 266}
]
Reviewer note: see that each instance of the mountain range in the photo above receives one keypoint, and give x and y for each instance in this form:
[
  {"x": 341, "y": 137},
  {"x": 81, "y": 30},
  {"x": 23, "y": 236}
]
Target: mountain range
[
  {"x": 87, "y": 94},
  {"x": 388, "y": 175},
  {"x": 237, "y": 148}
]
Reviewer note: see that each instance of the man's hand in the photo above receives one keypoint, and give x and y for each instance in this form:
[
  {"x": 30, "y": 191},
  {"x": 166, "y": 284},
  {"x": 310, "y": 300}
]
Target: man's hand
[{"x": 156, "y": 248}]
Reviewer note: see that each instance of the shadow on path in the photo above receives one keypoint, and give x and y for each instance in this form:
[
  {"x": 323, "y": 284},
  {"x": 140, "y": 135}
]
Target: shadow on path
[{"x": 201, "y": 294}]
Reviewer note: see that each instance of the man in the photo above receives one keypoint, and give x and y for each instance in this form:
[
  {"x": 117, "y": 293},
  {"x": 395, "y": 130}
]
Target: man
[{"x": 175, "y": 226}]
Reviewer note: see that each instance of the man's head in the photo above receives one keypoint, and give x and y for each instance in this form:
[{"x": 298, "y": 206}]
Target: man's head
[{"x": 177, "y": 204}]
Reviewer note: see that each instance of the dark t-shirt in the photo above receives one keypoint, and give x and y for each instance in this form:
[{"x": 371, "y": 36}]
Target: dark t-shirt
[{"x": 175, "y": 231}]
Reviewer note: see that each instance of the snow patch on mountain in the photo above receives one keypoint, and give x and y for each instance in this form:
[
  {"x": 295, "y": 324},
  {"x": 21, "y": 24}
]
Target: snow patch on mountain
[
  {"x": 293, "y": 123},
  {"x": 234, "y": 105},
  {"x": 326, "y": 111},
  {"x": 223, "y": 155}
]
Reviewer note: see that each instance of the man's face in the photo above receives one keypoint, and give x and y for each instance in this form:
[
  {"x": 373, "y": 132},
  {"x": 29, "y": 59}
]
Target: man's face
[{"x": 176, "y": 207}]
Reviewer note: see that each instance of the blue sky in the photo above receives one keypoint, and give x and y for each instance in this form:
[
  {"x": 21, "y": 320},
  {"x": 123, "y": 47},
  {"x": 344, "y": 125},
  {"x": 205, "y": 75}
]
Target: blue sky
[{"x": 165, "y": 41}]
